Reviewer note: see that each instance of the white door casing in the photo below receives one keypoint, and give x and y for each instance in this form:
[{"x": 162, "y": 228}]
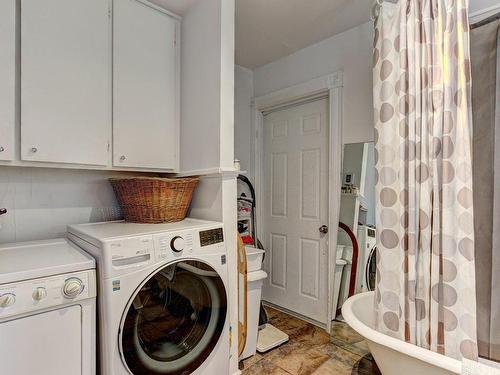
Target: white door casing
[
  {"x": 296, "y": 202},
  {"x": 65, "y": 81},
  {"x": 146, "y": 92}
]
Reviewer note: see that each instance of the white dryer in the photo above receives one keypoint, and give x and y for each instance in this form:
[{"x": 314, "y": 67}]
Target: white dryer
[
  {"x": 47, "y": 309},
  {"x": 162, "y": 296}
]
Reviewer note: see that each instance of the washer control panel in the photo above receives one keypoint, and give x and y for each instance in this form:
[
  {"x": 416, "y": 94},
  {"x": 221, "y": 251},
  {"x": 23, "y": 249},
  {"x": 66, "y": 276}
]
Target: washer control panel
[
  {"x": 173, "y": 243},
  {"x": 32, "y": 295},
  {"x": 211, "y": 237},
  {"x": 187, "y": 243},
  {"x": 131, "y": 252}
]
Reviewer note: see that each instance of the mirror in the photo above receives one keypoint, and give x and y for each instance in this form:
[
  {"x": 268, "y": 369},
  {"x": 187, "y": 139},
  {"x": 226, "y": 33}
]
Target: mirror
[{"x": 357, "y": 233}]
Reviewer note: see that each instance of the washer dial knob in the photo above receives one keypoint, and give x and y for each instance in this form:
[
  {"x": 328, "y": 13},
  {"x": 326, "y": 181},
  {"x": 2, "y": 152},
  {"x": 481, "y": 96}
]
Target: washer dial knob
[
  {"x": 177, "y": 244},
  {"x": 7, "y": 299},
  {"x": 73, "y": 287},
  {"x": 39, "y": 293}
]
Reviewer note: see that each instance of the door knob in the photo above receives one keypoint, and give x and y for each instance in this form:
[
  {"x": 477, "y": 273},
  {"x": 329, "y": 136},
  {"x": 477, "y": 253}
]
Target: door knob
[
  {"x": 323, "y": 229},
  {"x": 34, "y": 149},
  {"x": 2, "y": 149}
]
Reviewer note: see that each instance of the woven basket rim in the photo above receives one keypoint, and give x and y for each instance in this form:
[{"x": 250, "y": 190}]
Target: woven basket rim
[{"x": 165, "y": 179}]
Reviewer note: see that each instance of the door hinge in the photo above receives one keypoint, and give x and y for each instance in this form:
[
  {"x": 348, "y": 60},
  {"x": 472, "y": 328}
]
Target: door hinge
[
  {"x": 108, "y": 146},
  {"x": 109, "y": 10}
]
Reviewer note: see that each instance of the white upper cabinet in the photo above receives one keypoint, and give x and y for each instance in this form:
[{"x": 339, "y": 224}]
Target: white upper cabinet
[
  {"x": 7, "y": 78},
  {"x": 65, "y": 81},
  {"x": 145, "y": 86}
]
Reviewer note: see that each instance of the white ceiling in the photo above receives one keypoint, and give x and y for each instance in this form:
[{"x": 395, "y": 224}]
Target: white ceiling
[{"x": 267, "y": 30}]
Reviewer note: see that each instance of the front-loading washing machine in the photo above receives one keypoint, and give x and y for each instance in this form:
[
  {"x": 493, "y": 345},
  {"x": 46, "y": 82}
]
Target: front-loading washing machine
[
  {"x": 162, "y": 296},
  {"x": 367, "y": 244}
]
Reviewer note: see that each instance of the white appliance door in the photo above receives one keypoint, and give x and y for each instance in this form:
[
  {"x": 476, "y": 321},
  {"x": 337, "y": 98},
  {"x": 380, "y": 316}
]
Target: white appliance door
[
  {"x": 175, "y": 320},
  {"x": 43, "y": 344},
  {"x": 296, "y": 206}
]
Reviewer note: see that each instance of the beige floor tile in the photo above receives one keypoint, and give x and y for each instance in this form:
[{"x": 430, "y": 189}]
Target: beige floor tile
[
  {"x": 263, "y": 366},
  {"x": 287, "y": 324},
  {"x": 246, "y": 363},
  {"x": 331, "y": 367},
  {"x": 310, "y": 335},
  {"x": 297, "y": 359},
  {"x": 359, "y": 348},
  {"x": 311, "y": 351},
  {"x": 342, "y": 357},
  {"x": 341, "y": 331}
]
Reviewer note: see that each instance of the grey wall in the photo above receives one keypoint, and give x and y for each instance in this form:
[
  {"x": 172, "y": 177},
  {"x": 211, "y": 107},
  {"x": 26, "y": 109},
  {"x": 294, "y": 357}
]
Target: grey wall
[
  {"x": 351, "y": 52},
  {"x": 478, "y": 5},
  {"x": 243, "y": 124}
]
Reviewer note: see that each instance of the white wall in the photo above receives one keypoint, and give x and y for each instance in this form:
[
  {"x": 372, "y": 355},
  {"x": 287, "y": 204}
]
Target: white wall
[
  {"x": 350, "y": 52},
  {"x": 478, "y": 5},
  {"x": 243, "y": 126},
  {"x": 42, "y": 201}
]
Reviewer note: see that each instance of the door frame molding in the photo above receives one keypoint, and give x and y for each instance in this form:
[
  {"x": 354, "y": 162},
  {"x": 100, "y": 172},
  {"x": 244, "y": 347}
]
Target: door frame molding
[{"x": 332, "y": 85}]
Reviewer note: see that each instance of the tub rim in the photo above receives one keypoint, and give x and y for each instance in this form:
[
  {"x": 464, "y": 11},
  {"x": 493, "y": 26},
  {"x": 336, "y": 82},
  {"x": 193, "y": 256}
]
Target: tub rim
[{"x": 425, "y": 355}]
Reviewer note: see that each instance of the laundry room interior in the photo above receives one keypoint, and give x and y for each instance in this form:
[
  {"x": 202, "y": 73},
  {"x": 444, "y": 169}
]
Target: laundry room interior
[{"x": 226, "y": 187}]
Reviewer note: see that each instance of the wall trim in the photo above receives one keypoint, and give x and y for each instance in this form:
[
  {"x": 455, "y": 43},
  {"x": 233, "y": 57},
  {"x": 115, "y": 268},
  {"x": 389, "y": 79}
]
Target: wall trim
[
  {"x": 331, "y": 84},
  {"x": 483, "y": 13},
  {"x": 300, "y": 91}
]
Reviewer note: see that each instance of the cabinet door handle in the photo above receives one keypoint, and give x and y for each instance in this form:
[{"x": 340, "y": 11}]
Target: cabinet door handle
[
  {"x": 34, "y": 149},
  {"x": 2, "y": 149},
  {"x": 122, "y": 158}
]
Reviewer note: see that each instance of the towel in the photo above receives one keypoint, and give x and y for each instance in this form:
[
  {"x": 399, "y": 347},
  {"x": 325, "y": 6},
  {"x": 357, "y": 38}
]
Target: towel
[{"x": 476, "y": 368}]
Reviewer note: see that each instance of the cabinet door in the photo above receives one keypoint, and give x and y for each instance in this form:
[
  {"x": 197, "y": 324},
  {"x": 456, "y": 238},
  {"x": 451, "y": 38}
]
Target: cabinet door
[
  {"x": 66, "y": 81},
  {"x": 7, "y": 78},
  {"x": 145, "y": 91}
]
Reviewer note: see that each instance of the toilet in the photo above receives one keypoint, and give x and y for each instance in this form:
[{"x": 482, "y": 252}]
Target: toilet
[{"x": 255, "y": 279}]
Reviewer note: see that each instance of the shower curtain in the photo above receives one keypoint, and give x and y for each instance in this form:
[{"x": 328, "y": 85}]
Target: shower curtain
[
  {"x": 425, "y": 273},
  {"x": 485, "y": 57}
]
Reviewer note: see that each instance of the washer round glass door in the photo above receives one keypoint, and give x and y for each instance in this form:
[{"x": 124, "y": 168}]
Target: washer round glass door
[{"x": 174, "y": 320}]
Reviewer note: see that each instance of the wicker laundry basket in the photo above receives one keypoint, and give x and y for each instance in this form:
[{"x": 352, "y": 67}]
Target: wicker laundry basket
[{"x": 154, "y": 200}]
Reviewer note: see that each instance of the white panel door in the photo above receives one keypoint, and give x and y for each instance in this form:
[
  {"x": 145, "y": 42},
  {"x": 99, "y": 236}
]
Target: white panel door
[
  {"x": 296, "y": 206},
  {"x": 7, "y": 78},
  {"x": 145, "y": 87},
  {"x": 49, "y": 343},
  {"x": 65, "y": 81}
]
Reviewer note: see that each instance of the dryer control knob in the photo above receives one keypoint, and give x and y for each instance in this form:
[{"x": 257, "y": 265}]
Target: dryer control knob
[
  {"x": 72, "y": 287},
  {"x": 177, "y": 244},
  {"x": 7, "y": 299},
  {"x": 39, "y": 293}
]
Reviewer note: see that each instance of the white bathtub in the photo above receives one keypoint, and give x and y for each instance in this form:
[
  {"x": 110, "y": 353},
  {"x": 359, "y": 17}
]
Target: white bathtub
[{"x": 393, "y": 356}]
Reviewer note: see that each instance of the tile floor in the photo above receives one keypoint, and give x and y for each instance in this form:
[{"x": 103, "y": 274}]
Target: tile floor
[{"x": 312, "y": 351}]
